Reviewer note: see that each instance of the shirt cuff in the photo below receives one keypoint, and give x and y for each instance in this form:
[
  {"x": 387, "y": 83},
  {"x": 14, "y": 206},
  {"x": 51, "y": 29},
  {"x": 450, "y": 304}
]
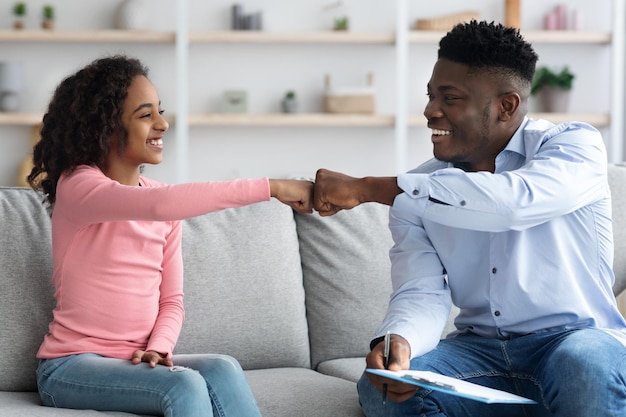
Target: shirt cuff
[{"x": 414, "y": 185}]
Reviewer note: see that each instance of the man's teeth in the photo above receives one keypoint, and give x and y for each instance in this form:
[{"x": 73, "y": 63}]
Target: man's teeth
[
  {"x": 438, "y": 132},
  {"x": 156, "y": 142}
]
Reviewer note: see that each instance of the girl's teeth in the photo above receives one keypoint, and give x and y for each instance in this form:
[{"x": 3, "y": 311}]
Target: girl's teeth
[{"x": 156, "y": 142}]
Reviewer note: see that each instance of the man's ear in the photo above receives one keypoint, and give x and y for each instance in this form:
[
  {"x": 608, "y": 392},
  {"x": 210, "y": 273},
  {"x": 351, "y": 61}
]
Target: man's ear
[{"x": 509, "y": 104}]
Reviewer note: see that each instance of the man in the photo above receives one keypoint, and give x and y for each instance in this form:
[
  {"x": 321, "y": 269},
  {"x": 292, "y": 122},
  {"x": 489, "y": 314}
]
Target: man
[{"x": 511, "y": 222}]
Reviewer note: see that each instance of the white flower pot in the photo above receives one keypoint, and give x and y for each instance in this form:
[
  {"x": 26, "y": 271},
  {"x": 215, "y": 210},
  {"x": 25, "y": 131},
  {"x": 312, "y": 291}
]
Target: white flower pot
[{"x": 132, "y": 15}]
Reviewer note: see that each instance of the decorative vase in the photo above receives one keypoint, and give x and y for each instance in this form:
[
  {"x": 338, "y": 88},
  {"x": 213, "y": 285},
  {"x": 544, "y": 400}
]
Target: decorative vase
[
  {"x": 131, "y": 15},
  {"x": 289, "y": 105},
  {"x": 10, "y": 86},
  {"x": 553, "y": 99}
]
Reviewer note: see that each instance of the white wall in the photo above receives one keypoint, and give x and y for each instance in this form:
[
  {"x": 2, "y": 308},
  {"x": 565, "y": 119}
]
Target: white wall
[{"x": 267, "y": 71}]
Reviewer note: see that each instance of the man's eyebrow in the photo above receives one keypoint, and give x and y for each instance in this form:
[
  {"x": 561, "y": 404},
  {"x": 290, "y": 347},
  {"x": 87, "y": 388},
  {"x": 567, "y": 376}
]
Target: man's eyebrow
[{"x": 442, "y": 88}]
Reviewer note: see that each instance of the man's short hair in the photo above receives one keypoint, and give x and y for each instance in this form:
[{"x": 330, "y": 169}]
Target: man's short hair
[{"x": 491, "y": 47}]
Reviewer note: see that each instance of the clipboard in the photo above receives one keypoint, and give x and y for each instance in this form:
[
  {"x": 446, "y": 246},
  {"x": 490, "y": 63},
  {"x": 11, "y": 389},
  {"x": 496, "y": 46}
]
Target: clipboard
[{"x": 452, "y": 386}]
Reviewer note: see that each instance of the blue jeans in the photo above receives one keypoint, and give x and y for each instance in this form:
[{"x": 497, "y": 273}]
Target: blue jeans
[
  {"x": 198, "y": 385},
  {"x": 575, "y": 373}
]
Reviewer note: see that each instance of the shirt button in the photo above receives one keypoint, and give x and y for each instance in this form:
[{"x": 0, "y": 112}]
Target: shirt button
[
  {"x": 463, "y": 202},
  {"x": 497, "y": 313},
  {"x": 416, "y": 191},
  {"x": 494, "y": 270}
]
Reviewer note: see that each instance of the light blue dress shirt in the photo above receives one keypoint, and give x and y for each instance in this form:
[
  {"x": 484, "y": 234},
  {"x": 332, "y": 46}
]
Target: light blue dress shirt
[{"x": 526, "y": 249}]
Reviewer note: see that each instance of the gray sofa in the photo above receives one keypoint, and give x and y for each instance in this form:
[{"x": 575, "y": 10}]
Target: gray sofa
[{"x": 295, "y": 298}]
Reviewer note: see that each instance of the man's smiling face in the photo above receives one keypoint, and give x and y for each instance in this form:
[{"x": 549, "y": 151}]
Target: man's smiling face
[{"x": 462, "y": 114}]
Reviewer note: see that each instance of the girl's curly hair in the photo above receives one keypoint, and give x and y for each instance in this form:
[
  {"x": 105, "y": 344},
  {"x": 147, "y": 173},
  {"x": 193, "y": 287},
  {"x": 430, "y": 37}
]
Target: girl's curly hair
[
  {"x": 491, "y": 47},
  {"x": 84, "y": 114}
]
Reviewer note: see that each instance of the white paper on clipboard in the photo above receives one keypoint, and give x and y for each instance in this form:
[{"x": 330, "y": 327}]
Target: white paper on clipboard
[{"x": 452, "y": 386}]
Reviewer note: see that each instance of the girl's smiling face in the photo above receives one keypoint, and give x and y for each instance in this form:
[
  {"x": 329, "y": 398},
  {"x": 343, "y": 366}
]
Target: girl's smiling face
[{"x": 144, "y": 123}]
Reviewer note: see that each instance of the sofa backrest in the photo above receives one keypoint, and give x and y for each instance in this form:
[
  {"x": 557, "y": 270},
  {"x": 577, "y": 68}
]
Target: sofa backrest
[
  {"x": 253, "y": 310},
  {"x": 617, "y": 184},
  {"x": 26, "y": 292},
  {"x": 346, "y": 271},
  {"x": 243, "y": 287}
]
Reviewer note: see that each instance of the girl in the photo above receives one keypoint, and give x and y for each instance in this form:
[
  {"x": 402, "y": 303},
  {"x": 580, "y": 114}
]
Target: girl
[{"x": 117, "y": 261}]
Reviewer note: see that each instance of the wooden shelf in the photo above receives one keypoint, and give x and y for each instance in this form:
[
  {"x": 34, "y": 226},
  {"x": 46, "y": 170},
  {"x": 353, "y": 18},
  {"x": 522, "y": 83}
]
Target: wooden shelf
[
  {"x": 35, "y": 118},
  {"x": 312, "y": 119},
  {"x": 20, "y": 119},
  {"x": 567, "y": 36},
  {"x": 300, "y": 120},
  {"x": 294, "y": 37},
  {"x": 91, "y": 36},
  {"x": 422, "y": 36},
  {"x": 594, "y": 119},
  {"x": 532, "y": 36},
  {"x": 597, "y": 120}
]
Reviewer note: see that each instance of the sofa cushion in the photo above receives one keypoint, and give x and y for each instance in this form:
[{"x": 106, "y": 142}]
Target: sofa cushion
[
  {"x": 243, "y": 287},
  {"x": 27, "y": 404},
  {"x": 291, "y": 392},
  {"x": 346, "y": 270},
  {"x": 346, "y": 368},
  {"x": 26, "y": 298}
]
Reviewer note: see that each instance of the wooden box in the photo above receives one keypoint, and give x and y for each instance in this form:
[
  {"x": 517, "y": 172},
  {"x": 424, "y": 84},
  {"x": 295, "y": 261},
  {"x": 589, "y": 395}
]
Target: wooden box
[{"x": 350, "y": 100}]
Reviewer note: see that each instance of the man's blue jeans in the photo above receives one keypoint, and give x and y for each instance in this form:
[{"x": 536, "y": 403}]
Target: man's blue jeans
[
  {"x": 574, "y": 373},
  {"x": 198, "y": 385}
]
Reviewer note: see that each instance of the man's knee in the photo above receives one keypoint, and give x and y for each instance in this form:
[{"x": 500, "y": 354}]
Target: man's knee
[
  {"x": 369, "y": 398},
  {"x": 588, "y": 352}
]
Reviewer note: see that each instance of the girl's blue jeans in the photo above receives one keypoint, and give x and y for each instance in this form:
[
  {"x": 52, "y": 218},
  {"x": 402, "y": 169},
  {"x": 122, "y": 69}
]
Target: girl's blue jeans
[
  {"x": 198, "y": 385},
  {"x": 570, "y": 373}
]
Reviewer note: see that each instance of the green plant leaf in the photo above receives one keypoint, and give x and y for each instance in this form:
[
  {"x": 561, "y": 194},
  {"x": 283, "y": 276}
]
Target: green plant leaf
[{"x": 544, "y": 76}]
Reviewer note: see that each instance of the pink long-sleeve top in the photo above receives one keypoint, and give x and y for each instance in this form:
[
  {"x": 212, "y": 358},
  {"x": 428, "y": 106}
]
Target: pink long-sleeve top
[{"x": 118, "y": 271}]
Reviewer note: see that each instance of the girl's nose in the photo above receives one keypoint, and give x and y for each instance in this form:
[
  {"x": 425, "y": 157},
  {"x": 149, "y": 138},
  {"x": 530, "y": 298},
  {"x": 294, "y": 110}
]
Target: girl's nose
[{"x": 161, "y": 123}]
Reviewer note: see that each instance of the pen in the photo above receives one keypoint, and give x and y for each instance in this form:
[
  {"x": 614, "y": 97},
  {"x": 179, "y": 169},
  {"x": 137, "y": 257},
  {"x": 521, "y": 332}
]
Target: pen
[{"x": 386, "y": 363}]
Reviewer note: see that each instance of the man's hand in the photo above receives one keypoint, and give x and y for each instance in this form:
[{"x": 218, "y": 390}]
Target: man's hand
[
  {"x": 295, "y": 193},
  {"x": 151, "y": 357},
  {"x": 335, "y": 191},
  {"x": 399, "y": 359}
]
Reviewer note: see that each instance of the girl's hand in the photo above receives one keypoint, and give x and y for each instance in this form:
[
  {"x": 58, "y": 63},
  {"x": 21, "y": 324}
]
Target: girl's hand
[
  {"x": 151, "y": 357},
  {"x": 297, "y": 194}
]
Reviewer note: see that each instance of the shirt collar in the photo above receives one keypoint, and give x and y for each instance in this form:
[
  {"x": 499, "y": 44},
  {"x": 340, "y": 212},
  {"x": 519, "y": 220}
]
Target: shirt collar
[{"x": 516, "y": 144}]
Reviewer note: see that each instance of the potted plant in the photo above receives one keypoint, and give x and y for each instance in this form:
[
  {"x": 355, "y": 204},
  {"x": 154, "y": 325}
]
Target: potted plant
[
  {"x": 48, "y": 17},
  {"x": 19, "y": 11},
  {"x": 552, "y": 89},
  {"x": 290, "y": 102},
  {"x": 342, "y": 23}
]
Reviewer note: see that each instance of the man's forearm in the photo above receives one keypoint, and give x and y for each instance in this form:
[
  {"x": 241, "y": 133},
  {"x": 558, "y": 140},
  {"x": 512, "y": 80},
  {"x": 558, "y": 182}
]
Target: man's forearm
[{"x": 378, "y": 189}]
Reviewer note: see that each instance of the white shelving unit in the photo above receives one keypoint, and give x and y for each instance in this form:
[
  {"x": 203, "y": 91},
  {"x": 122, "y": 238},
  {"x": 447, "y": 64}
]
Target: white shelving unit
[{"x": 402, "y": 40}]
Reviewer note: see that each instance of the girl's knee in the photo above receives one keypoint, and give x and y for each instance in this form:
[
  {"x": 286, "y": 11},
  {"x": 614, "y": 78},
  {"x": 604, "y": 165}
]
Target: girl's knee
[
  {"x": 224, "y": 365},
  {"x": 187, "y": 380}
]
